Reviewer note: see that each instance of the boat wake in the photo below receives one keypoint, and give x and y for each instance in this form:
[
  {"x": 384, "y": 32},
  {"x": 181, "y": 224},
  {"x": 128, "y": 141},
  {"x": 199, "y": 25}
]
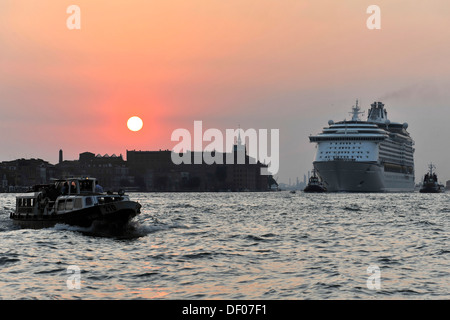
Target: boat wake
[
  {"x": 132, "y": 230},
  {"x": 107, "y": 230}
]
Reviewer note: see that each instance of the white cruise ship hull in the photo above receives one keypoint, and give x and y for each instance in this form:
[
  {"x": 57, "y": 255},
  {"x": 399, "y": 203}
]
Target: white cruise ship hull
[{"x": 358, "y": 176}]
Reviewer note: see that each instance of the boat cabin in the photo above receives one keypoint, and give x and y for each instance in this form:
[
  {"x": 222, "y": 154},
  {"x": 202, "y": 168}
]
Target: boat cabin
[
  {"x": 25, "y": 204},
  {"x": 73, "y": 186},
  {"x": 73, "y": 201},
  {"x": 62, "y": 196}
]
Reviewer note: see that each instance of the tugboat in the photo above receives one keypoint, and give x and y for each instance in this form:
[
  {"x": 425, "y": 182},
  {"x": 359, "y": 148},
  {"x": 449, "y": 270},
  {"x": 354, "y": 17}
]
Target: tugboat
[
  {"x": 430, "y": 182},
  {"x": 73, "y": 201},
  {"x": 314, "y": 184}
]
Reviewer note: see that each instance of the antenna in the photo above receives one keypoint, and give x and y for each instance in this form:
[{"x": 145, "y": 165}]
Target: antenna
[
  {"x": 356, "y": 112},
  {"x": 239, "y": 135}
]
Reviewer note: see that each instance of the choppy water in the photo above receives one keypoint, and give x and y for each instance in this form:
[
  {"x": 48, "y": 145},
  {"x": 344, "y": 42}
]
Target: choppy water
[{"x": 240, "y": 246}]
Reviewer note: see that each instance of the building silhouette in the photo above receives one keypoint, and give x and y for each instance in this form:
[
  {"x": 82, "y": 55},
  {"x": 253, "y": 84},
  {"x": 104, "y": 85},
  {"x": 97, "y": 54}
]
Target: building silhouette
[
  {"x": 18, "y": 174},
  {"x": 112, "y": 170},
  {"x": 155, "y": 171},
  {"x": 152, "y": 171}
]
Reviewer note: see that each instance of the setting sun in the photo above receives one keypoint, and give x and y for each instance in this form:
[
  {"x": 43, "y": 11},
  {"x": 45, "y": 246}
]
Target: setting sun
[{"x": 135, "y": 123}]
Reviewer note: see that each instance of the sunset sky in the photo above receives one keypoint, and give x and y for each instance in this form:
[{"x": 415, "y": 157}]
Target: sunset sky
[{"x": 290, "y": 65}]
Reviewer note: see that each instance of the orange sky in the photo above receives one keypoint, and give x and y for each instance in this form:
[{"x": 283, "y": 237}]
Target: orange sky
[{"x": 287, "y": 64}]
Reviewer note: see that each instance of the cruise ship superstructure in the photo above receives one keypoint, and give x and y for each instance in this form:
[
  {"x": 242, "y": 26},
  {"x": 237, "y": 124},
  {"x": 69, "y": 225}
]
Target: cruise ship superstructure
[{"x": 376, "y": 155}]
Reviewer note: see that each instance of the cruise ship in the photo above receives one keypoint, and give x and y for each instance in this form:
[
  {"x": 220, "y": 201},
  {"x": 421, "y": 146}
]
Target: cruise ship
[{"x": 375, "y": 155}]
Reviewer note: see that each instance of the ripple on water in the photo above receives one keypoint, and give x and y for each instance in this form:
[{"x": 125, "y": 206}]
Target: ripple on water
[{"x": 240, "y": 246}]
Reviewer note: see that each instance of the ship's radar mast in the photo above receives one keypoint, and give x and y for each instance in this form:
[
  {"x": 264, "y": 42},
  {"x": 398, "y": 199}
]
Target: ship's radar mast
[
  {"x": 431, "y": 166},
  {"x": 356, "y": 112}
]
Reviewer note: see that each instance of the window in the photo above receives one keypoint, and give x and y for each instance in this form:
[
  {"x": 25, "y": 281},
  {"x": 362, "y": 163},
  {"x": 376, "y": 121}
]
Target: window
[
  {"x": 86, "y": 185},
  {"x": 89, "y": 201},
  {"x": 78, "y": 204},
  {"x": 61, "y": 205},
  {"x": 69, "y": 204}
]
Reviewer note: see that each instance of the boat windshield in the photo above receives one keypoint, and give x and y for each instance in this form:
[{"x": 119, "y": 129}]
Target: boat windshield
[
  {"x": 75, "y": 185},
  {"x": 86, "y": 185}
]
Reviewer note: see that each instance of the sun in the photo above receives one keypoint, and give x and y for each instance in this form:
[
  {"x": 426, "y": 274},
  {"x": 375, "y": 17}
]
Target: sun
[{"x": 135, "y": 123}]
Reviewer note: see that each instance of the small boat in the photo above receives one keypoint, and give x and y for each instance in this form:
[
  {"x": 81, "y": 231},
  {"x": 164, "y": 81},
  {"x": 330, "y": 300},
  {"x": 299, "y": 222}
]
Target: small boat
[
  {"x": 73, "y": 201},
  {"x": 315, "y": 184},
  {"x": 430, "y": 182}
]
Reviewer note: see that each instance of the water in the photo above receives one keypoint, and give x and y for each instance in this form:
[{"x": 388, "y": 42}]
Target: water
[{"x": 275, "y": 246}]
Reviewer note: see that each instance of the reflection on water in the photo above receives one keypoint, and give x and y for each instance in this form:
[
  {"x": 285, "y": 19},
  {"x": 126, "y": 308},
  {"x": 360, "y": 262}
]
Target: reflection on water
[{"x": 239, "y": 246}]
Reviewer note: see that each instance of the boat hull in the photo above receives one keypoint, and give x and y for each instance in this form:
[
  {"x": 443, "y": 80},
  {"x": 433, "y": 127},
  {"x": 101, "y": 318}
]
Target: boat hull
[
  {"x": 117, "y": 214},
  {"x": 431, "y": 189},
  {"x": 314, "y": 188},
  {"x": 356, "y": 176}
]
